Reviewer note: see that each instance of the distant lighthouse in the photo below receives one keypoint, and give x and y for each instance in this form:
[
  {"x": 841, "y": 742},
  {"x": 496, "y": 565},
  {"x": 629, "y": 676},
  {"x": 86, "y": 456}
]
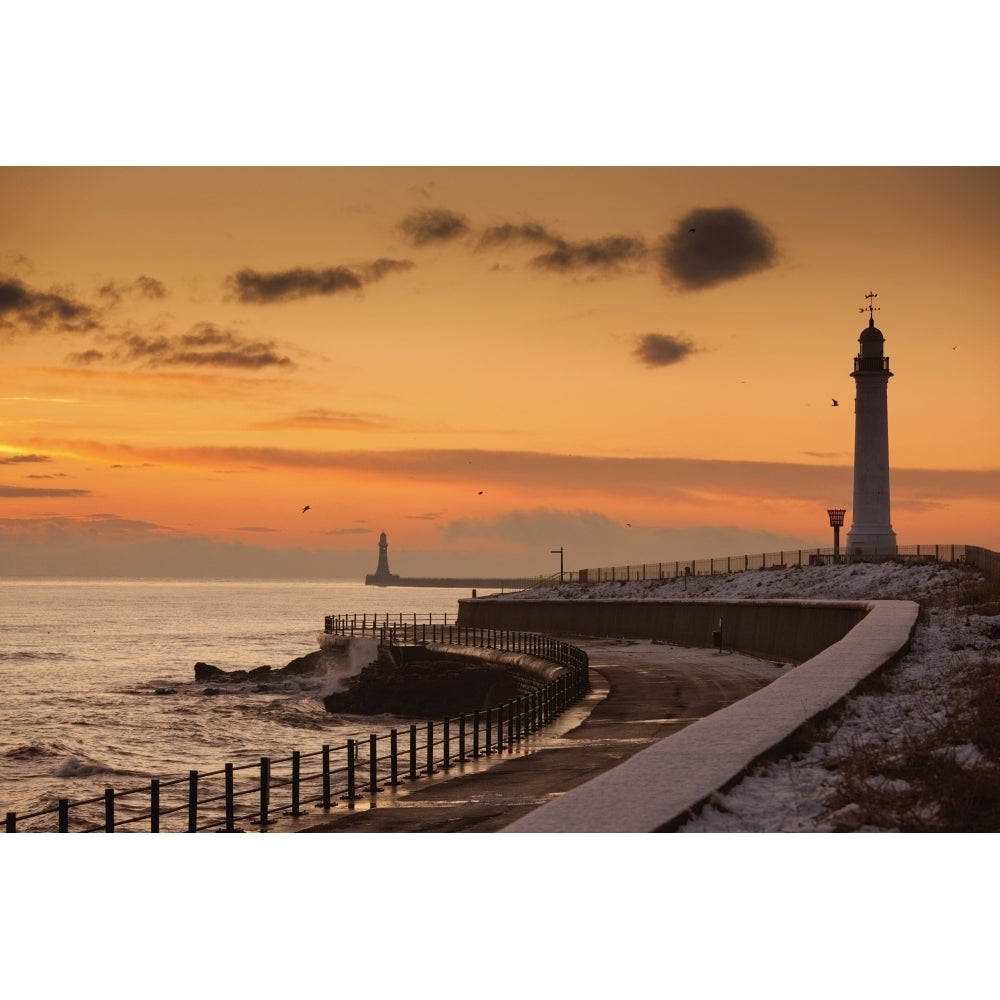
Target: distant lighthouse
[
  {"x": 382, "y": 577},
  {"x": 871, "y": 532}
]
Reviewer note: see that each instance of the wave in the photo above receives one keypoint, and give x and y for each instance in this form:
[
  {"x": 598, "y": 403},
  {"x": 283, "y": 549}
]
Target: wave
[
  {"x": 86, "y": 767},
  {"x": 35, "y": 654}
]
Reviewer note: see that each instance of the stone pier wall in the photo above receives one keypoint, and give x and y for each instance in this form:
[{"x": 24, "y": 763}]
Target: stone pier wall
[{"x": 787, "y": 630}]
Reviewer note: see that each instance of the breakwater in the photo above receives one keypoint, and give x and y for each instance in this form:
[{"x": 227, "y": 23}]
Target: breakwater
[
  {"x": 454, "y": 582},
  {"x": 787, "y": 630}
]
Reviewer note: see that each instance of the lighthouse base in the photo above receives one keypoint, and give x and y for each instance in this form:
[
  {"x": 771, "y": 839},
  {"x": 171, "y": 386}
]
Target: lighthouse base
[{"x": 871, "y": 540}]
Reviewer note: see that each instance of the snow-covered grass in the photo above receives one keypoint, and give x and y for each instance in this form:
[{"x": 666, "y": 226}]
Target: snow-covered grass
[{"x": 916, "y": 748}]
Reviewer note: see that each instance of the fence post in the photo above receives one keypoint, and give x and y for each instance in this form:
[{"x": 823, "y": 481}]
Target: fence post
[
  {"x": 192, "y": 801},
  {"x": 64, "y": 815},
  {"x": 154, "y": 805},
  {"x": 393, "y": 759},
  {"x": 430, "y": 747},
  {"x": 413, "y": 752},
  {"x": 489, "y": 738},
  {"x": 446, "y": 752},
  {"x": 230, "y": 804},
  {"x": 461, "y": 738},
  {"x": 499, "y": 728},
  {"x": 511, "y": 706},
  {"x": 109, "y": 810},
  {"x": 475, "y": 733},
  {"x": 372, "y": 763},
  {"x": 350, "y": 774},
  {"x": 11, "y": 826},
  {"x": 326, "y": 776},
  {"x": 265, "y": 791},
  {"x": 296, "y": 765}
]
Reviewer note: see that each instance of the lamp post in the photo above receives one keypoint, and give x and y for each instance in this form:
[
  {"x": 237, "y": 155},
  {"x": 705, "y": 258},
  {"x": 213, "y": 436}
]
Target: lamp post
[
  {"x": 836, "y": 522},
  {"x": 559, "y": 552}
]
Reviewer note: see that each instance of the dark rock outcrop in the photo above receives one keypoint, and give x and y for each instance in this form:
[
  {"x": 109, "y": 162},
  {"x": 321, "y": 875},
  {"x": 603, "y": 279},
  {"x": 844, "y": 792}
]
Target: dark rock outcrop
[
  {"x": 316, "y": 662},
  {"x": 431, "y": 688}
]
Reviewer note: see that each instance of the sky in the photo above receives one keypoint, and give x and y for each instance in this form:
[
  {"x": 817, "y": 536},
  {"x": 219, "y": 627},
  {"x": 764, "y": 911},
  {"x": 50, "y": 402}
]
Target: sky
[{"x": 489, "y": 361}]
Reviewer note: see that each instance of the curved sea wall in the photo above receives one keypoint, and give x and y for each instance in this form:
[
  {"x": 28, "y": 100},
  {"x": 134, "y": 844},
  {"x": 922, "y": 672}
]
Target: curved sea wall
[{"x": 786, "y": 630}]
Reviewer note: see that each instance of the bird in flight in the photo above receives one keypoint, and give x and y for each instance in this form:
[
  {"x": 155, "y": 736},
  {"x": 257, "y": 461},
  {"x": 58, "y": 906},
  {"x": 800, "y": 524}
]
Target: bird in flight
[
  {"x": 304, "y": 509},
  {"x": 835, "y": 403}
]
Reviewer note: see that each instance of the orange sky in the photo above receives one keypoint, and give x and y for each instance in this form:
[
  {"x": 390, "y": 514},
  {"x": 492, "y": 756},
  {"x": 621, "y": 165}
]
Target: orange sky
[{"x": 485, "y": 363}]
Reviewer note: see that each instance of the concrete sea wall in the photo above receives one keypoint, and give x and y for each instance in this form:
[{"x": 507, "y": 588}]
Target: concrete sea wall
[{"x": 787, "y": 630}]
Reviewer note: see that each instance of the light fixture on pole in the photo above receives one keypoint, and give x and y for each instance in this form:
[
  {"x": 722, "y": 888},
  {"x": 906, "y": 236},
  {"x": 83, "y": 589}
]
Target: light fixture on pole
[
  {"x": 559, "y": 552},
  {"x": 836, "y": 522}
]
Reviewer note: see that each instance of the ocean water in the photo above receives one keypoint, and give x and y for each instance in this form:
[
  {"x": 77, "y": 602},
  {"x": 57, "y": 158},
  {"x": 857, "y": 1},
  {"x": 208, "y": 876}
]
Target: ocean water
[{"x": 98, "y": 688}]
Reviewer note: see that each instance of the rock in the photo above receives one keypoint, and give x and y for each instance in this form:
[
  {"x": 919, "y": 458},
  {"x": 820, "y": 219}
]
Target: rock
[
  {"x": 429, "y": 689},
  {"x": 204, "y": 671}
]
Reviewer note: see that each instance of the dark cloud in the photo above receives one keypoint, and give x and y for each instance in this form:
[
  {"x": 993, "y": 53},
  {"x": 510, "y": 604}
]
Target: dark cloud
[
  {"x": 204, "y": 345},
  {"x": 143, "y": 287},
  {"x": 712, "y": 245},
  {"x": 40, "y": 491},
  {"x": 23, "y": 459},
  {"x": 297, "y": 283},
  {"x": 301, "y": 282},
  {"x": 21, "y": 306},
  {"x": 511, "y": 234},
  {"x": 656, "y": 350},
  {"x": 605, "y": 254},
  {"x": 435, "y": 225},
  {"x": 378, "y": 269}
]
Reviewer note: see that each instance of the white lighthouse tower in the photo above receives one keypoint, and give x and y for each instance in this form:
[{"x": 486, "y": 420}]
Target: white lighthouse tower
[{"x": 871, "y": 532}]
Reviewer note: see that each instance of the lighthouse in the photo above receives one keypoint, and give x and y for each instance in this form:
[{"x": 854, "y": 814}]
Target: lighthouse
[
  {"x": 871, "y": 532},
  {"x": 382, "y": 577}
]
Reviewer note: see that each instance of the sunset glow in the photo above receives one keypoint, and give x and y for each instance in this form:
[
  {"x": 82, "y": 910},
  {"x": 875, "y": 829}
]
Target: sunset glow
[{"x": 636, "y": 363}]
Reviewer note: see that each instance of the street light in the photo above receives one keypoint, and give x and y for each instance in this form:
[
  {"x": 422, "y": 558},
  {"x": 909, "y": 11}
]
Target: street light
[
  {"x": 836, "y": 522},
  {"x": 559, "y": 552}
]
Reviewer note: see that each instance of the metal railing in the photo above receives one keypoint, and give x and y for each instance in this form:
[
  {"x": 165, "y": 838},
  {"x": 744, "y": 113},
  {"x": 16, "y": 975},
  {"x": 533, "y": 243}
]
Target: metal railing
[
  {"x": 257, "y": 793},
  {"x": 721, "y": 565}
]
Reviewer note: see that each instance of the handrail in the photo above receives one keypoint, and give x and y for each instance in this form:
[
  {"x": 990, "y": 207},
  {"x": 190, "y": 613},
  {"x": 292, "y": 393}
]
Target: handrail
[
  {"x": 723, "y": 565},
  {"x": 210, "y": 798}
]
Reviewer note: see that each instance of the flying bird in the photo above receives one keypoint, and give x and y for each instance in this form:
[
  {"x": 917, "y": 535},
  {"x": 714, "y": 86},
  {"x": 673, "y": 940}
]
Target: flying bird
[
  {"x": 480, "y": 492},
  {"x": 835, "y": 403},
  {"x": 304, "y": 509},
  {"x": 690, "y": 230}
]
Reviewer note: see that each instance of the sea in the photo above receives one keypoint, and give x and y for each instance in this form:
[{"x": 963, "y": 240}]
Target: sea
[{"x": 98, "y": 682}]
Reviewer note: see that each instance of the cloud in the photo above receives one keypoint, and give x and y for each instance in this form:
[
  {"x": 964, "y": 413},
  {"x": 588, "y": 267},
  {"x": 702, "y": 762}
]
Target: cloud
[
  {"x": 512, "y": 234},
  {"x": 39, "y": 491},
  {"x": 656, "y": 350},
  {"x": 143, "y": 287},
  {"x": 608, "y": 253},
  {"x": 301, "y": 282},
  {"x": 204, "y": 345},
  {"x": 28, "y": 459},
  {"x": 22, "y": 307},
  {"x": 333, "y": 420},
  {"x": 712, "y": 245},
  {"x": 434, "y": 225}
]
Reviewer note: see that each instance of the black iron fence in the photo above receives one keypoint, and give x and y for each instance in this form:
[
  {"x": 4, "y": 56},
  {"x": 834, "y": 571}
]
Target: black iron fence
[
  {"x": 255, "y": 795},
  {"x": 764, "y": 560}
]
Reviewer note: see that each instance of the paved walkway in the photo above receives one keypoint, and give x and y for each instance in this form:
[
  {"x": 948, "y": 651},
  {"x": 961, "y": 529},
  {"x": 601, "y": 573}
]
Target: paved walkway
[{"x": 641, "y": 693}]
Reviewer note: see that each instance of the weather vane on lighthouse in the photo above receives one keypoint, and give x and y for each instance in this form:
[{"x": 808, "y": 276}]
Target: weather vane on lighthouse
[{"x": 871, "y": 307}]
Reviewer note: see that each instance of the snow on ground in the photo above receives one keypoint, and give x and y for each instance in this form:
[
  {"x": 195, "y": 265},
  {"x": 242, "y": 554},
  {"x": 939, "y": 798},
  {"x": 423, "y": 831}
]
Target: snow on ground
[{"x": 794, "y": 793}]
